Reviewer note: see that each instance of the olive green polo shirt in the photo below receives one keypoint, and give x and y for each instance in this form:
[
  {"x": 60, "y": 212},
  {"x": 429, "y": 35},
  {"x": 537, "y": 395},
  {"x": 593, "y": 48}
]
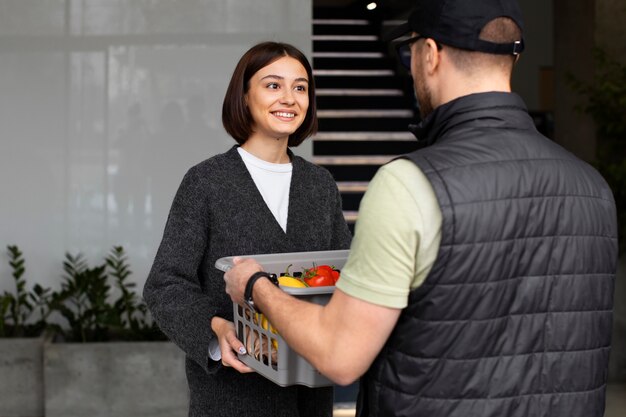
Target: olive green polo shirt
[{"x": 396, "y": 238}]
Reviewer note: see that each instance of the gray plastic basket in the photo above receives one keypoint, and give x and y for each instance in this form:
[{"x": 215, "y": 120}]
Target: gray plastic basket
[{"x": 288, "y": 368}]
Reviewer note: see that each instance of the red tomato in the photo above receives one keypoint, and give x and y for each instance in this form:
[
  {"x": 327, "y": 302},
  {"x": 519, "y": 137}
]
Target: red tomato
[
  {"x": 320, "y": 276},
  {"x": 334, "y": 273},
  {"x": 319, "y": 281}
]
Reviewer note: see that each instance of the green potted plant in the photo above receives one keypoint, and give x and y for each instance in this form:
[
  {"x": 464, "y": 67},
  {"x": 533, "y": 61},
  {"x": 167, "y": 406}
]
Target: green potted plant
[
  {"x": 23, "y": 322},
  {"x": 85, "y": 302},
  {"x": 605, "y": 101},
  {"x": 108, "y": 358}
]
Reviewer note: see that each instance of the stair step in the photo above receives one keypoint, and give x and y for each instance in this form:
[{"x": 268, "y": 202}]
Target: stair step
[
  {"x": 364, "y": 102},
  {"x": 352, "y": 172},
  {"x": 361, "y": 98},
  {"x": 345, "y": 38},
  {"x": 353, "y": 160},
  {"x": 391, "y": 23},
  {"x": 336, "y": 148},
  {"x": 356, "y": 82},
  {"x": 386, "y": 113},
  {"x": 353, "y": 73},
  {"x": 352, "y": 62},
  {"x": 355, "y": 45},
  {"x": 350, "y": 215},
  {"x": 349, "y": 124},
  {"x": 352, "y": 186},
  {"x": 341, "y": 22},
  {"x": 358, "y": 92},
  {"x": 364, "y": 136},
  {"x": 371, "y": 55}
]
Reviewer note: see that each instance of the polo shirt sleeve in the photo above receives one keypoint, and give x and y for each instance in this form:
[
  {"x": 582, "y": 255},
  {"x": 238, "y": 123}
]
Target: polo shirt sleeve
[{"x": 396, "y": 239}]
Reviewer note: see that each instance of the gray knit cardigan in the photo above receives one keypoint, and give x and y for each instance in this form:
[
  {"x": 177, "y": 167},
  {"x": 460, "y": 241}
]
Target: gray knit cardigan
[{"x": 217, "y": 212}]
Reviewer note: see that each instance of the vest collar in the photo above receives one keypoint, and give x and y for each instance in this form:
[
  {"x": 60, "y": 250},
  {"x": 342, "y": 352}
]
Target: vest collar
[{"x": 465, "y": 108}]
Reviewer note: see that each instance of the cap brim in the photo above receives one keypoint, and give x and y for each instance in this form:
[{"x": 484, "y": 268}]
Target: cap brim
[{"x": 397, "y": 32}]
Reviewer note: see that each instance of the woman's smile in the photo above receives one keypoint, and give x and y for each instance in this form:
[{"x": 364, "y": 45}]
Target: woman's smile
[{"x": 284, "y": 115}]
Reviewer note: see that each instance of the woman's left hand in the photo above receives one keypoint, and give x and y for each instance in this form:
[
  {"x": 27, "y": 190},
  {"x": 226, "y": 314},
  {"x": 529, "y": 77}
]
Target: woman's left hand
[{"x": 230, "y": 345}]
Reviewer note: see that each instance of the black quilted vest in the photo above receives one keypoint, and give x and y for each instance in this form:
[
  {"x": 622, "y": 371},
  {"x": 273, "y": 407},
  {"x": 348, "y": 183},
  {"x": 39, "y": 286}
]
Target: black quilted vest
[{"x": 514, "y": 319}]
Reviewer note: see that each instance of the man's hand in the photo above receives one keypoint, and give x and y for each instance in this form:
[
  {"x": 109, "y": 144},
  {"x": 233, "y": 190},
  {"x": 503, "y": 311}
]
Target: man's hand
[{"x": 237, "y": 277}]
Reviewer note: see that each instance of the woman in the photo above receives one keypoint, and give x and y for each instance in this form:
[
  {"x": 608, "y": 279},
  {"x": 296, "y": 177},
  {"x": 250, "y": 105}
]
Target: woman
[{"x": 256, "y": 198}]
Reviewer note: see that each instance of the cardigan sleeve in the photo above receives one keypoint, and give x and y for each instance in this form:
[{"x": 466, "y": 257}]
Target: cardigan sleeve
[{"x": 172, "y": 290}]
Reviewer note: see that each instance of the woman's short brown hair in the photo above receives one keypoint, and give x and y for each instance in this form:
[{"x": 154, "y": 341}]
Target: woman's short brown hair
[{"x": 236, "y": 117}]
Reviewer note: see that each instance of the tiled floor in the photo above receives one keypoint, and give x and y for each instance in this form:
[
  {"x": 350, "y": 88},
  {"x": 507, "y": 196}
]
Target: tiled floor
[{"x": 615, "y": 403}]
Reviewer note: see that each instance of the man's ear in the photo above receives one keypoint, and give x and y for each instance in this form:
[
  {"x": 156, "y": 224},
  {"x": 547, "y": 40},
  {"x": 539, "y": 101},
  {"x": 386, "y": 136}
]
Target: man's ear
[{"x": 433, "y": 56}]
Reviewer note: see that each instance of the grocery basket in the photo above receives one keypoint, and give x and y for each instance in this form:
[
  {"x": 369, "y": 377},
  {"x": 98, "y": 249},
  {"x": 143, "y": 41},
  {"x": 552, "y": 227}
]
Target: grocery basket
[{"x": 268, "y": 353}]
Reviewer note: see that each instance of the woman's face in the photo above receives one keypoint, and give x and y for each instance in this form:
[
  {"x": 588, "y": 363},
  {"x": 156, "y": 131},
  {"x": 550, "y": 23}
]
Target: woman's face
[{"x": 278, "y": 98}]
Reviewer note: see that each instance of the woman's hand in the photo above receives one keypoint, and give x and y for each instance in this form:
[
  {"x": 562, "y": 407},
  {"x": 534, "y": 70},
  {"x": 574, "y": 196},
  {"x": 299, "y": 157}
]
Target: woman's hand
[{"x": 229, "y": 344}]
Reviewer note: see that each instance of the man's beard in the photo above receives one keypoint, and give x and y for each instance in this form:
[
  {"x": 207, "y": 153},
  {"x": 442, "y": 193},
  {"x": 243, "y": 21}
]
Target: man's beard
[
  {"x": 424, "y": 98},
  {"x": 422, "y": 92}
]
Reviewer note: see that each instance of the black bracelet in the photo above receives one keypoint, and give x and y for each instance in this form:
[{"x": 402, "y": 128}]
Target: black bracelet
[{"x": 247, "y": 295}]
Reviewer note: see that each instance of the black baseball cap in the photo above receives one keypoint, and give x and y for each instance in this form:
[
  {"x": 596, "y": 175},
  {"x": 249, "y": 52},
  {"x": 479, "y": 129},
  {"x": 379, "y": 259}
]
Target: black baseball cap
[{"x": 458, "y": 23}]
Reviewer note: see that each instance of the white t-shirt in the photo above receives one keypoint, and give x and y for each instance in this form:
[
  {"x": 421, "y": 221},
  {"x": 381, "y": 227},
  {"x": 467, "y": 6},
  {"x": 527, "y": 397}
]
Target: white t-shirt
[{"x": 272, "y": 181}]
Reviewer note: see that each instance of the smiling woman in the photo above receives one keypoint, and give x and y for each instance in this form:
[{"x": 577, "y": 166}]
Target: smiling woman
[
  {"x": 278, "y": 100},
  {"x": 255, "y": 198},
  {"x": 237, "y": 112}
]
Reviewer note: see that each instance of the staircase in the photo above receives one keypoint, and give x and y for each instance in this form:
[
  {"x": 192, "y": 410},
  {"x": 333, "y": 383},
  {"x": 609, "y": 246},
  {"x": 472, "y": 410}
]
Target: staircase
[{"x": 364, "y": 106}]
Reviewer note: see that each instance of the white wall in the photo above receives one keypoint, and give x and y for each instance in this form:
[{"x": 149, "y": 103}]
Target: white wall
[{"x": 104, "y": 104}]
